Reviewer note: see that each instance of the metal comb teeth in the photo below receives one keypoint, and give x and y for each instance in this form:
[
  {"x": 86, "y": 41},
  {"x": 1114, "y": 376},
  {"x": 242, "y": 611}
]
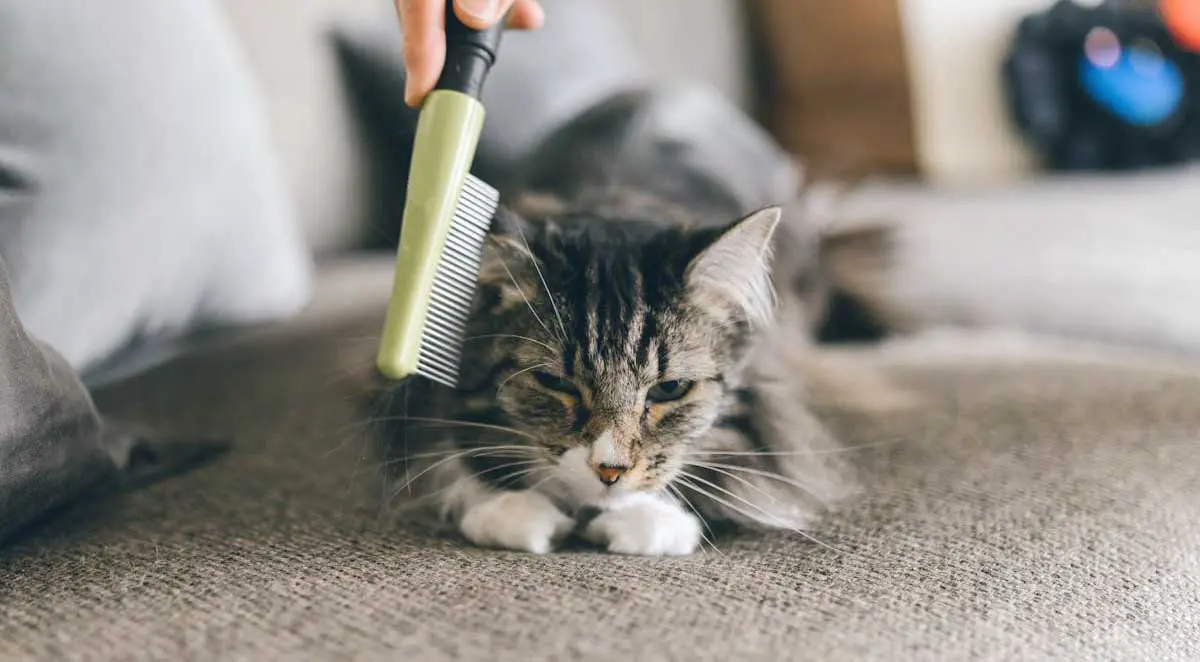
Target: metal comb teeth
[{"x": 454, "y": 283}]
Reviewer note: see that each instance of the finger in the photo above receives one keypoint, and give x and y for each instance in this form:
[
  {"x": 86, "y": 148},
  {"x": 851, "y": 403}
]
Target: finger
[
  {"x": 526, "y": 15},
  {"x": 483, "y": 14},
  {"x": 424, "y": 26}
]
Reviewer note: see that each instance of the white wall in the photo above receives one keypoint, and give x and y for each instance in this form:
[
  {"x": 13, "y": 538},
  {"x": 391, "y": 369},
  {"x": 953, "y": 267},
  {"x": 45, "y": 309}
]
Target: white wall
[
  {"x": 955, "y": 50},
  {"x": 287, "y": 44},
  {"x": 702, "y": 41}
]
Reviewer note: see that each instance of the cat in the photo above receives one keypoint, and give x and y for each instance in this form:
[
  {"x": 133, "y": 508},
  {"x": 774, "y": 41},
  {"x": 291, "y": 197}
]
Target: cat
[
  {"x": 626, "y": 369},
  {"x": 633, "y": 364}
]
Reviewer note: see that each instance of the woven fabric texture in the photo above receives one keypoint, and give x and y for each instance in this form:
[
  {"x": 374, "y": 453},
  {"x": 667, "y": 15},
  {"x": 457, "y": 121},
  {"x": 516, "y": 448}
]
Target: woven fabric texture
[{"x": 1038, "y": 511}]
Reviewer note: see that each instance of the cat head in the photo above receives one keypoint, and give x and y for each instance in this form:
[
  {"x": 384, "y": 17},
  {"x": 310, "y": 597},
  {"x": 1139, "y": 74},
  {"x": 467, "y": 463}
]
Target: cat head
[{"x": 613, "y": 345}]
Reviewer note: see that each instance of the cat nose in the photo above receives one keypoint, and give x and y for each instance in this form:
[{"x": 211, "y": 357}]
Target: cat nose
[{"x": 610, "y": 473}]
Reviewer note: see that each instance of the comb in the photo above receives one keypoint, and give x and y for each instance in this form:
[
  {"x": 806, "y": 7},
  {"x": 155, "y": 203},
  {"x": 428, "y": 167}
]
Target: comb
[{"x": 446, "y": 217}]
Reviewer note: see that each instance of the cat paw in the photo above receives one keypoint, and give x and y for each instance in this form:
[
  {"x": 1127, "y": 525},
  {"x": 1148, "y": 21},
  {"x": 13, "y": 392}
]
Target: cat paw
[
  {"x": 646, "y": 527},
  {"x": 524, "y": 521}
]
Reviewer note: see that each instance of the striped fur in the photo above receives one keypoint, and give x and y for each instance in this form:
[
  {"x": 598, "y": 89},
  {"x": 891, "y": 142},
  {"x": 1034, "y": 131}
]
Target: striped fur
[{"x": 581, "y": 311}]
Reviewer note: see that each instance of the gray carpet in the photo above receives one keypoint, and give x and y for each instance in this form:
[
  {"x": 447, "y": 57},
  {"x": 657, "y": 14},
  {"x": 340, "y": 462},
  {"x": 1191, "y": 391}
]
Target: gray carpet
[{"x": 1048, "y": 510}]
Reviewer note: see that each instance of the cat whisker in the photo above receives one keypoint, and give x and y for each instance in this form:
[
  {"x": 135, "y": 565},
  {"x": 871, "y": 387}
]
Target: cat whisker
[
  {"x": 553, "y": 306},
  {"x": 349, "y": 436},
  {"x": 510, "y": 335},
  {"x": 824, "y": 451},
  {"x": 519, "y": 372},
  {"x": 408, "y": 460},
  {"x": 408, "y": 483},
  {"x": 449, "y": 422},
  {"x": 484, "y": 472},
  {"x": 706, "y": 538},
  {"x": 425, "y": 497},
  {"x": 527, "y": 302},
  {"x": 536, "y": 486},
  {"x": 718, "y": 467},
  {"x": 526, "y": 472},
  {"x": 687, "y": 482},
  {"x": 459, "y": 481},
  {"x": 513, "y": 451},
  {"x": 351, "y": 428},
  {"x": 740, "y": 479},
  {"x": 549, "y": 477}
]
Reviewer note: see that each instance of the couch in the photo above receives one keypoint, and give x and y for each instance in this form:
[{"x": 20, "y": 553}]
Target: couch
[{"x": 1027, "y": 498}]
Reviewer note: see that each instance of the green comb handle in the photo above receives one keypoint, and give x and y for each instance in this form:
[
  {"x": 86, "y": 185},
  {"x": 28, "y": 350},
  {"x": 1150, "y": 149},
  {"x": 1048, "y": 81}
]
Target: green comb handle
[{"x": 448, "y": 130}]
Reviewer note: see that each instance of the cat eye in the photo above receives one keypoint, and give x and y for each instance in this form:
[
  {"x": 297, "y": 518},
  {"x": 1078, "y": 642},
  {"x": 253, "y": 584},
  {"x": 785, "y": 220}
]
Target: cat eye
[
  {"x": 556, "y": 383},
  {"x": 669, "y": 390}
]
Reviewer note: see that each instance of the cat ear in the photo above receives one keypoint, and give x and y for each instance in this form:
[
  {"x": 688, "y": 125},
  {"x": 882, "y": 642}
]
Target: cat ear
[{"x": 734, "y": 271}]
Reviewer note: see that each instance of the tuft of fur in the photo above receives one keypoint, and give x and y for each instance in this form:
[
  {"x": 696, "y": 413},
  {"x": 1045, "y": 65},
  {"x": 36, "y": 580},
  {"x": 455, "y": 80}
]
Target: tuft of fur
[{"x": 590, "y": 317}]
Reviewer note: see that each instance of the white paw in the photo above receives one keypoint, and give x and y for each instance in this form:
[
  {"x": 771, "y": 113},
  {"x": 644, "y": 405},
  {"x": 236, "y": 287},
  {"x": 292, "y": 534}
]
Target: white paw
[
  {"x": 525, "y": 521},
  {"x": 646, "y": 527}
]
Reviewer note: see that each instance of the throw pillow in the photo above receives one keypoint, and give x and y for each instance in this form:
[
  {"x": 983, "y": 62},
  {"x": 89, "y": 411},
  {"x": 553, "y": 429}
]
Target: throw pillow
[{"x": 139, "y": 197}]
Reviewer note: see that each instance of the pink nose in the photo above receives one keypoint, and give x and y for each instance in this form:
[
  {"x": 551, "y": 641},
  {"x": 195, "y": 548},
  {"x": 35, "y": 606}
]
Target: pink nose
[{"x": 610, "y": 474}]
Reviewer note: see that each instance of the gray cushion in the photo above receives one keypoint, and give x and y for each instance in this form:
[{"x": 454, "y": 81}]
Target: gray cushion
[
  {"x": 139, "y": 196},
  {"x": 1101, "y": 256},
  {"x": 287, "y": 46},
  {"x": 51, "y": 447},
  {"x": 54, "y": 446},
  {"x": 1029, "y": 506}
]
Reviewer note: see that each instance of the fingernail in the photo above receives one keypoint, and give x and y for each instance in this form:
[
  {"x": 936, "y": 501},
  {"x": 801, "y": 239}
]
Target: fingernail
[{"x": 484, "y": 10}]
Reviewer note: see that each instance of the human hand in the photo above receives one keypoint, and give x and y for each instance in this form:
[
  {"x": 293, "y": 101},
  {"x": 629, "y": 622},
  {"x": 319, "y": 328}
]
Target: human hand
[{"x": 424, "y": 26}]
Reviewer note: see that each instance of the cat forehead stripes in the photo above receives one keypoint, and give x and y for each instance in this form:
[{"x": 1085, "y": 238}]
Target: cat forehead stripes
[{"x": 630, "y": 295}]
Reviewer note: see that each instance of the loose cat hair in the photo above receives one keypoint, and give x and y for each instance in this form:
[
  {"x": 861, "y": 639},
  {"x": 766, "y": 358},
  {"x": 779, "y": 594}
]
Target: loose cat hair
[{"x": 630, "y": 373}]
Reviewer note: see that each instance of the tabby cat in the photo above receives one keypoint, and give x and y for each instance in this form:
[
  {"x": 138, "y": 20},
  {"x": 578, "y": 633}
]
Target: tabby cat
[{"x": 628, "y": 376}]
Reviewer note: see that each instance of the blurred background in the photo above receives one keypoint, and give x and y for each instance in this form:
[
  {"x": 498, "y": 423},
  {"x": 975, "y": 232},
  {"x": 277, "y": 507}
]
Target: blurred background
[
  {"x": 854, "y": 88},
  {"x": 1030, "y": 160},
  {"x": 1030, "y": 157}
]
